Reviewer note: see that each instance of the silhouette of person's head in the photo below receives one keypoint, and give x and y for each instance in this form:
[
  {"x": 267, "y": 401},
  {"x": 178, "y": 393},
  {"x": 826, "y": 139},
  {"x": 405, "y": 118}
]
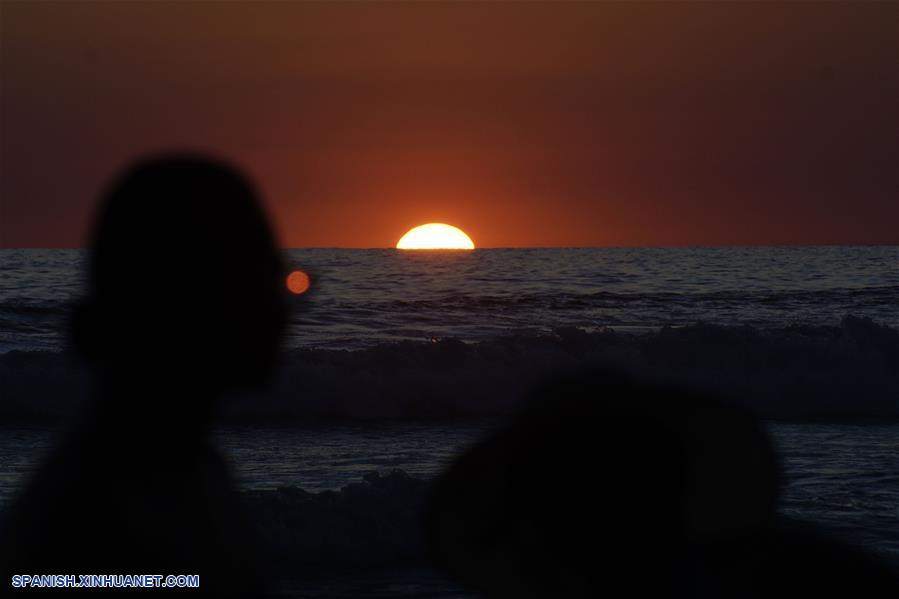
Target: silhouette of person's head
[
  {"x": 184, "y": 280},
  {"x": 185, "y": 299},
  {"x": 606, "y": 485},
  {"x": 603, "y": 486}
]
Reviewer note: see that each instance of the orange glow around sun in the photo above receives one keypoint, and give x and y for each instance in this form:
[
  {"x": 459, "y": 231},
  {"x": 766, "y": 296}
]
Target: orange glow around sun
[
  {"x": 435, "y": 236},
  {"x": 298, "y": 282}
]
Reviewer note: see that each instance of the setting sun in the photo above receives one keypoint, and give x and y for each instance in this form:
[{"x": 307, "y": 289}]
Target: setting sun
[{"x": 435, "y": 236}]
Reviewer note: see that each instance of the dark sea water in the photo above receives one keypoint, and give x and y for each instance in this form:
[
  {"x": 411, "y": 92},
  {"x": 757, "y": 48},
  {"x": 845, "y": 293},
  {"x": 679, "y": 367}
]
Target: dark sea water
[
  {"x": 387, "y": 344},
  {"x": 844, "y": 477},
  {"x": 361, "y": 298}
]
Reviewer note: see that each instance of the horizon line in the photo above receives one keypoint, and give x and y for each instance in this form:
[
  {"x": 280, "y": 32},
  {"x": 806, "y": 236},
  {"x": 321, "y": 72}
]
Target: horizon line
[{"x": 538, "y": 247}]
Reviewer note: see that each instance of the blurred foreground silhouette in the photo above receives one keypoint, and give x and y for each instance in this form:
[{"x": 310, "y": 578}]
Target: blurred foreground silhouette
[
  {"x": 185, "y": 301},
  {"x": 607, "y": 487}
]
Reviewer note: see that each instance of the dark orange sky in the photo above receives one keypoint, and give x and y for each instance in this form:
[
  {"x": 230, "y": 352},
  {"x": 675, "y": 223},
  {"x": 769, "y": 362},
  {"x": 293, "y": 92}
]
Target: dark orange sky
[{"x": 525, "y": 124}]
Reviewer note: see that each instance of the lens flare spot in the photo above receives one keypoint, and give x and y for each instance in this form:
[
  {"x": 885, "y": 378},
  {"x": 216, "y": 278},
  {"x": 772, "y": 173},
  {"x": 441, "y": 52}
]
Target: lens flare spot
[{"x": 298, "y": 282}]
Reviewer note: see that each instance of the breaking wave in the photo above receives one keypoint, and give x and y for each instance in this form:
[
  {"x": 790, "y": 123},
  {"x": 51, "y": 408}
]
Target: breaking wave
[
  {"x": 795, "y": 372},
  {"x": 375, "y": 522}
]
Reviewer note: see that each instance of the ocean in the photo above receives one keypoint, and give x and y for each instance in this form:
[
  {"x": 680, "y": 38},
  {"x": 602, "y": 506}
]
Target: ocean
[
  {"x": 395, "y": 361},
  {"x": 362, "y": 298}
]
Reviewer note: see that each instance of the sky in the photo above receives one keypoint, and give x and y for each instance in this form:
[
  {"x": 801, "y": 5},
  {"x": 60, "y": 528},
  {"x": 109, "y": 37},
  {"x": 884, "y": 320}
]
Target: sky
[{"x": 523, "y": 123}]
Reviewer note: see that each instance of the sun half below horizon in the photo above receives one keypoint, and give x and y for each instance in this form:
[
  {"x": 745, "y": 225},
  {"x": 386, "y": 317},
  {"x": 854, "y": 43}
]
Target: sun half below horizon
[{"x": 435, "y": 236}]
